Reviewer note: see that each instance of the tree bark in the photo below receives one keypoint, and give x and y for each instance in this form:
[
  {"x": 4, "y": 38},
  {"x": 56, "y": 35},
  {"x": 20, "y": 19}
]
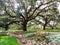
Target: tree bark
[
  {"x": 24, "y": 25},
  {"x": 46, "y": 21}
]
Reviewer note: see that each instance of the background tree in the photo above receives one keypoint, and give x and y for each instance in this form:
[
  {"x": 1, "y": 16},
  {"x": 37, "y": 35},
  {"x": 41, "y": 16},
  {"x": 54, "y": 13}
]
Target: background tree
[
  {"x": 47, "y": 17},
  {"x": 5, "y": 19}
]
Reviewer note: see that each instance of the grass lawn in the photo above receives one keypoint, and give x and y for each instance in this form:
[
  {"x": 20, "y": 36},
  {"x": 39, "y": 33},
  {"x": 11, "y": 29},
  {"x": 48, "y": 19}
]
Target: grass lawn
[
  {"x": 52, "y": 30},
  {"x": 47, "y": 30},
  {"x": 8, "y": 40}
]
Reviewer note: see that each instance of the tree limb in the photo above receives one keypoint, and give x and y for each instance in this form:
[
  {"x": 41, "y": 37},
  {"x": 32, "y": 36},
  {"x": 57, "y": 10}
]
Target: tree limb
[
  {"x": 39, "y": 7},
  {"x": 39, "y": 12}
]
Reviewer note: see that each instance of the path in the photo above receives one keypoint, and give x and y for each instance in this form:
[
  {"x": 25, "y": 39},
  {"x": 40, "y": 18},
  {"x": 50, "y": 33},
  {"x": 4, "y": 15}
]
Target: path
[{"x": 25, "y": 41}]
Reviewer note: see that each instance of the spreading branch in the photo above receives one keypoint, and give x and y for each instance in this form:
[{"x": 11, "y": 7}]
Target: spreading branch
[
  {"x": 39, "y": 7},
  {"x": 39, "y": 12}
]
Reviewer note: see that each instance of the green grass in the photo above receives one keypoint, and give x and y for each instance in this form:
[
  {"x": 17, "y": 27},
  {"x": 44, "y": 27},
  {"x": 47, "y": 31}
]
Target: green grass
[
  {"x": 8, "y": 40},
  {"x": 52, "y": 30},
  {"x": 47, "y": 30}
]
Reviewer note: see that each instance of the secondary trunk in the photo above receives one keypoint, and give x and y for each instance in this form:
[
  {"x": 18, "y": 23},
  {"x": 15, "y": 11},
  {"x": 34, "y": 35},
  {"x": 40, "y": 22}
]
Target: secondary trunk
[
  {"x": 24, "y": 26},
  {"x": 44, "y": 27}
]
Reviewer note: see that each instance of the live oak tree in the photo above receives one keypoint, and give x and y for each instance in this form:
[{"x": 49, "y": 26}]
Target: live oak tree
[
  {"x": 31, "y": 11},
  {"x": 26, "y": 10}
]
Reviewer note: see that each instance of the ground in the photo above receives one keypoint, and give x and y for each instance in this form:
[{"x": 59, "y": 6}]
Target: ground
[
  {"x": 26, "y": 38},
  {"x": 35, "y": 35}
]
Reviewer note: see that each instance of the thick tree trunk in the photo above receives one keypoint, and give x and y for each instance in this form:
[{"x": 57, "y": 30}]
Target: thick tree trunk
[{"x": 24, "y": 26}]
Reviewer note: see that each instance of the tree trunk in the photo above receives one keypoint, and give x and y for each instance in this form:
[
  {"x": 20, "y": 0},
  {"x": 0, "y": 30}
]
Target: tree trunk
[
  {"x": 24, "y": 26},
  {"x": 6, "y": 27},
  {"x": 44, "y": 27},
  {"x": 52, "y": 27}
]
